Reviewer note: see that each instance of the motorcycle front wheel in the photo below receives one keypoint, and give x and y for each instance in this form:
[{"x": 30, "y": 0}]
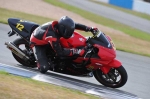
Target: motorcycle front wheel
[{"x": 115, "y": 78}]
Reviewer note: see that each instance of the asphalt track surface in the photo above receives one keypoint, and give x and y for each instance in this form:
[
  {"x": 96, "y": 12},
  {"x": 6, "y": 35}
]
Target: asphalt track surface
[
  {"x": 116, "y": 15},
  {"x": 136, "y": 66}
]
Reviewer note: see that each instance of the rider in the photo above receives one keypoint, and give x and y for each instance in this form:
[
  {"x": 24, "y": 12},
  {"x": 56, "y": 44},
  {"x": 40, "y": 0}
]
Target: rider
[{"x": 50, "y": 33}]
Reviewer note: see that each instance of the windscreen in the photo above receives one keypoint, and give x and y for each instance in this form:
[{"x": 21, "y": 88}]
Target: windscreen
[{"x": 100, "y": 39}]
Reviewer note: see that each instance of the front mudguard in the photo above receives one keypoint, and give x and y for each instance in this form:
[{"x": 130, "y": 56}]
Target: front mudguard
[{"x": 113, "y": 64}]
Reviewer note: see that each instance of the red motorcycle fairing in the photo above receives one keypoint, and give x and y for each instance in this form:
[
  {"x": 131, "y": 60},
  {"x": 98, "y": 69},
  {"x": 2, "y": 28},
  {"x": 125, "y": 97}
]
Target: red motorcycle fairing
[
  {"x": 96, "y": 63},
  {"x": 105, "y": 53},
  {"x": 115, "y": 63},
  {"x": 105, "y": 66},
  {"x": 106, "y": 56},
  {"x": 75, "y": 41},
  {"x": 105, "y": 61}
]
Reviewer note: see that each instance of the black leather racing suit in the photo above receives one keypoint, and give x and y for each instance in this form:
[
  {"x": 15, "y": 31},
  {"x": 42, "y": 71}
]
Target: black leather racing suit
[{"x": 48, "y": 34}]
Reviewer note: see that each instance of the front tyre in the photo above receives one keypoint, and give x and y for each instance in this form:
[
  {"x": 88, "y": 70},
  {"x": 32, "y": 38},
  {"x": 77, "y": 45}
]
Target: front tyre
[{"x": 115, "y": 78}]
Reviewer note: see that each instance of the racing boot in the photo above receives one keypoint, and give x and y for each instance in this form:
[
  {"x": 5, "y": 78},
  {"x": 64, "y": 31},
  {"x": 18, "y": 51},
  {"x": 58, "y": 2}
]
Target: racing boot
[{"x": 43, "y": 65}]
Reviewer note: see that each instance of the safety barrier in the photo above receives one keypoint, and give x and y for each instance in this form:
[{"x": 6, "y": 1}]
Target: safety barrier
[{"x": 136, "y": 5}]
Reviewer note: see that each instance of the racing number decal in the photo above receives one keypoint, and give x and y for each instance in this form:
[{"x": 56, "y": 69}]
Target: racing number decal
[{"x": 19, "y": 26}]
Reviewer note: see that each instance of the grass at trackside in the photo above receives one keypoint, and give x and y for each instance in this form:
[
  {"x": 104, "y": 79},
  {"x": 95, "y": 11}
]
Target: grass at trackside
[
  {"x": 5, "y": 14},
  {"x": 16, "y": 87},
  {"x": 139, "y": 14},
  {"x": 101, "y": 20},
  {"x": 123, "y": 43}
]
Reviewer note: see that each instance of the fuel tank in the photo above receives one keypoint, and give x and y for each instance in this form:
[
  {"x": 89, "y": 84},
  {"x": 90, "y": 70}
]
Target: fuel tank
[{"x": 75, "y": 41}]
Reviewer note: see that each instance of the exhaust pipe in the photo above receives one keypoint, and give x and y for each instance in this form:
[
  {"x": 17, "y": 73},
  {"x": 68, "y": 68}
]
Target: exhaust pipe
[{"x": 16, "y": 50}]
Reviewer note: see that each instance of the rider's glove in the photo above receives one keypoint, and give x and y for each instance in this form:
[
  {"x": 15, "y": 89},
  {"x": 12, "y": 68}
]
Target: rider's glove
[
  {"x": 93, "y": 30},
  {"x": 79, "y": 52}
]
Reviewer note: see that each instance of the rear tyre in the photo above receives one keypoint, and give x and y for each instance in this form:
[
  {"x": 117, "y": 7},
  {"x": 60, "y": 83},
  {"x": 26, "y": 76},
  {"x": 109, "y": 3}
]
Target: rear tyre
[
  {"x": 115, "y": 78},
  {"x": 18, "y": 42}
]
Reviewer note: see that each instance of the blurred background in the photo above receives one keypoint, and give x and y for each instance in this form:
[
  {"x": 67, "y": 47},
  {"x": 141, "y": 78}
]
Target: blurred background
[
  {"x": 136, "y": 5},
  {"x": 127, "y": 22}
]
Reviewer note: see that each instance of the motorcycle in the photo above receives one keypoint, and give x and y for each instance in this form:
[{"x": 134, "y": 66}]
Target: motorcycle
[{"x": 99, "y": 60}]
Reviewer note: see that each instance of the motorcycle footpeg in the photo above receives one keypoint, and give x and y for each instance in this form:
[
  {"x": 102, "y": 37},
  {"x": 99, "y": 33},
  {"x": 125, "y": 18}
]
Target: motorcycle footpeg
[
  {"x": 11, "y": 33},
  {"x": 88, "y": 75}
]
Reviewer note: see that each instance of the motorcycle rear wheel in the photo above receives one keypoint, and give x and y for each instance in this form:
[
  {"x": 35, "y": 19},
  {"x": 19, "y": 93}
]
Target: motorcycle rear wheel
[
  {"x": 111, "y": 78},
  {"x": 18, "y": 42}
]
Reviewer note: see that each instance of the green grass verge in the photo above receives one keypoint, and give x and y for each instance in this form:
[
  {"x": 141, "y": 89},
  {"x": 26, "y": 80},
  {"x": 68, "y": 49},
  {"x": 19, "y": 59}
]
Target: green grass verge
[
  {"x": 101, "y": 20},
  {"x": 139, "y": 14},
  {"x": 5, "y": 14},
  {"x": 16, "y": 87}
]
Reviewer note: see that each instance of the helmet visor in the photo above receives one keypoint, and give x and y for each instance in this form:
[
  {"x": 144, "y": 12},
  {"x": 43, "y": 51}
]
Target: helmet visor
[{"x": 66, "y": 33}]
